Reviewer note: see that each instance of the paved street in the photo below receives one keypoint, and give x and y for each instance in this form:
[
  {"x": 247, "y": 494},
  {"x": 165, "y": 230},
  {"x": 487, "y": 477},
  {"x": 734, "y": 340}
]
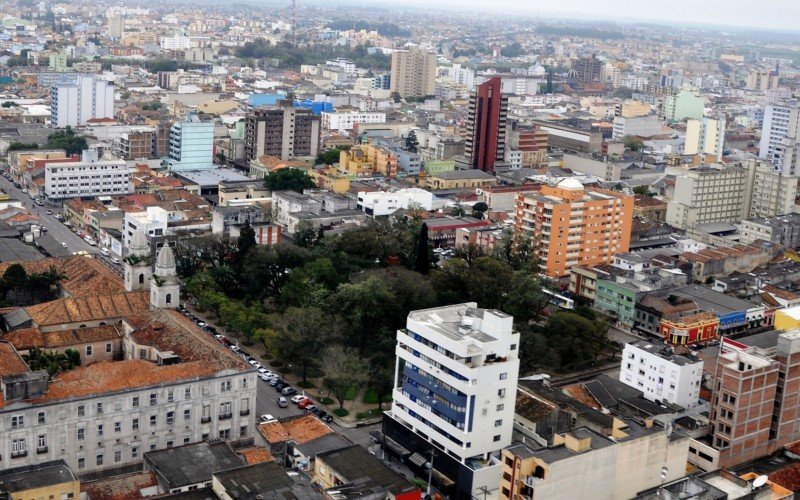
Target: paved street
[
  {"x": 55, "y": 228},
  {"x": 267, "y": 396}
]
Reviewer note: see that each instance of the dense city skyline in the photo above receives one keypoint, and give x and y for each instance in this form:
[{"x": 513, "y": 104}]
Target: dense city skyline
[{"x": 772, "y": 14}]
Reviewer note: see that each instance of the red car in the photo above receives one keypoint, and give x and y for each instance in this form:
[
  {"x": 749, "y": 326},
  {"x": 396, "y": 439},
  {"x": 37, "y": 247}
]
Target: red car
[{"x": 306, "y": 402}]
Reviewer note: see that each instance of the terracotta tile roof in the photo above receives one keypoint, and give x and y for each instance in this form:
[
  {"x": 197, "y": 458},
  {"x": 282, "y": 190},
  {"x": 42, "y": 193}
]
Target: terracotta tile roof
[
  {"x": 788, "y": 477},
  {"x": 301, "y": 429},
  {"x": 305, "y": 428},
  {"x": 10, "y": 362},
  {"x": 579, "y": 392},
  {"x": 781, "y": 293},
  {"x": 126, "y": 487},
  {"x": 255, "y": 455},
  {"x": 793, "y": 447},
  {"x": 27, "y": 338},
  {"x": 647, "y": 201},
  {"x": 168, "y": 330},
  {"x": 699, "y": 317},
  {"x": 271, "y": 162},
  {"x": 97, "y": 308},
  {"x": 83, "y": 276},
  {"x": 531, "y": 408},
  {"x": 769, "y": 300},
  {"x": 273, "y": 432},
  {"x": 111, "y": 376}
]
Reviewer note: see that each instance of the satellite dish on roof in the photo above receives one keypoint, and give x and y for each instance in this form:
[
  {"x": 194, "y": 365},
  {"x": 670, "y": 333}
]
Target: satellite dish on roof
[{"x": 760, "y": 481}]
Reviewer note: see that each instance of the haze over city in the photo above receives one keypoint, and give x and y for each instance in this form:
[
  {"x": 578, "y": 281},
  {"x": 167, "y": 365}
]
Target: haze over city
[{"x": 399, "y": 250}]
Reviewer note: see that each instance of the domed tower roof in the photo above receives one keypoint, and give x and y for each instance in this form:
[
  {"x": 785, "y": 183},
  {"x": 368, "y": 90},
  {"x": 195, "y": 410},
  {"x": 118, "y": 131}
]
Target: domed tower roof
[
  {"x": 165, "y": 262},
  {"x": 139, "y": 245}
]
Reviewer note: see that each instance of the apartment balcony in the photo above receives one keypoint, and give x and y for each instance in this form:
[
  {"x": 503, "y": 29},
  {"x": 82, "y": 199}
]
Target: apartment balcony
[
  {"x": 244, "y": 413},
  {"x": 205, "y": 420},
  {"x": 226, "y": 416},
  {"x": 19, "y": 454},
  {"x": 41, "y": 449}
]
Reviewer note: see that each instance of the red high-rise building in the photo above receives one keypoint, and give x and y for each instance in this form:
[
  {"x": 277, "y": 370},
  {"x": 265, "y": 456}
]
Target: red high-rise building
[{"x": 486, "y": 132}]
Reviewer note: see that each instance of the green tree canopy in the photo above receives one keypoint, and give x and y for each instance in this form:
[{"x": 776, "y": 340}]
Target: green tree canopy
[
  {"x": 412, "y": 143},
  {"x": 289, "y": 179},
  {"x": 329, "y": 157},
  {"x": 67, "y": 140}
]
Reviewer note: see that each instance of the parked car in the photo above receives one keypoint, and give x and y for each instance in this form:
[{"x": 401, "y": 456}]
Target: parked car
[
  {"x": 264, "y": 371},
  {"x": 211, "y": 329},
  {"x": 288, "y": 391},
  {"x": 311, "y": 408},
  {"x": 265, "y": 378},
  {"x": 267, "y": 418},
  {"x": 298, "y": 398},
  {"x": 282, "y": 402},
  {"x": 303, "y": 403},
  {"x": 275, "y": 382},
  {"x": 115, "y": 260},
  {"x": 105, "y": 251},
  {"x": 280, "y": 385},
  {"x": 327, "y": 418},
  {"x": 50, "y": 212}
]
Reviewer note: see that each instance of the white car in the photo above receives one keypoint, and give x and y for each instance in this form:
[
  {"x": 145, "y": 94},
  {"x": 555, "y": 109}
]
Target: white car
[
  {"x": 267, "y": 418},
  {"x": 264, "y": 371},
  {"x": 264, "y": 377},
  {"x": 252, "y": 361},
  {"x": 297, "y": 399}
]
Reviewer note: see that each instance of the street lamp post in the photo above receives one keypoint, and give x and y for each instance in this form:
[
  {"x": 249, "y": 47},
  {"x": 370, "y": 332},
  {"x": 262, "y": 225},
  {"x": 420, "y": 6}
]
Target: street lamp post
[{"x": 430, "y": 475}]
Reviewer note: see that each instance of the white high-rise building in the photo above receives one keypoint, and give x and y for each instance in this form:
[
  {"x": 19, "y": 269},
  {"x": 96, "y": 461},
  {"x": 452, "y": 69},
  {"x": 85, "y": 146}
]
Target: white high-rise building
[
  {"x": 455, "y": 390},
  {"x": 661, "y": 374},
  {"x": 89, "y": 177},
  {"x": 345, "y": 120},
  {"x": 176, "y": 42},
  {"x": 458, "y": 74},
  {"x": 76, "y": 102},
  {"x": 705, "y": 137},
  {"x": 780, "y": 131}
]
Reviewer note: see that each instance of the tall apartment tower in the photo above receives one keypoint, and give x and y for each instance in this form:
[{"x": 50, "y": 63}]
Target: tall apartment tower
[
  {"x": 191, "y": 144},
  {"x": 77, "y": 101},
  {"x": 755, "y": 403},
  {"x": 588, "y": 69},
  {"x": 283, "y": 131},
  {"x": 705, "y": 137},
  {"x": 116, "y": 26},
  {"x": 575, "y": 226},
  {"x": 454, "y": 395},
  {"x": 413, "y": 72},
  {"x": 486, "y": 129},
  {"x": 780, "y": 132}
]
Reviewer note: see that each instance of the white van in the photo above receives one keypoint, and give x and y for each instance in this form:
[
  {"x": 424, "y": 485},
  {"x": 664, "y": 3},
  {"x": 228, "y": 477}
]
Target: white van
[{"x": 105, "y": 251}]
